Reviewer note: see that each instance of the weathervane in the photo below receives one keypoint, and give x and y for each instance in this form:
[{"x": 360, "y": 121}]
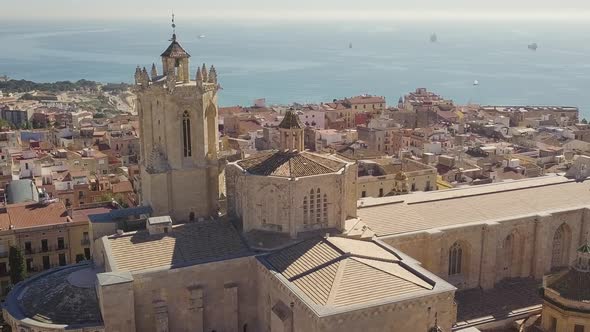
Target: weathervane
[{"x": 173, "y": 27}]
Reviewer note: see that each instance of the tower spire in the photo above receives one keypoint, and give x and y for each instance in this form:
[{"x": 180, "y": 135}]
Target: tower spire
[{"x": 173, "y": 28}]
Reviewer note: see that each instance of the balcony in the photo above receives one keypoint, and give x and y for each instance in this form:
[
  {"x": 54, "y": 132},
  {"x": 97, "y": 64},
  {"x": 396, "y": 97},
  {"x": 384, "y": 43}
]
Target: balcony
[
  {"x": 85, "y": 242},
  {"x": 48, "y": 249}
]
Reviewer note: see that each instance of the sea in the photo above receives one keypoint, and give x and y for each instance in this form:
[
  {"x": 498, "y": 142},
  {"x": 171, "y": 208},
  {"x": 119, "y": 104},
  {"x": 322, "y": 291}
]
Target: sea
[{"x": 309, "y": 62}]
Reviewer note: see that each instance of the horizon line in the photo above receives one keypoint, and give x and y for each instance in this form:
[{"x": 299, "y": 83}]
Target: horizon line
[{"x": 333, "y": 16}]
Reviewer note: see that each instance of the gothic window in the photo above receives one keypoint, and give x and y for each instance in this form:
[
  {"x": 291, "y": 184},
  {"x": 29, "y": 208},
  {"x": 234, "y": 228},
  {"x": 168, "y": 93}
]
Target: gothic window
[
  {"x": 186, "y": 134},
  {"x": 318, "y": 206},
  {"x": 560, "y": 246},
  {"x": 311, "y": 204},
  {"x": 305, "y": 211},
  {"x": 325, "y": 209},
  {"x": 455, "y": 258},
  {"x": 315, "y": 207}
]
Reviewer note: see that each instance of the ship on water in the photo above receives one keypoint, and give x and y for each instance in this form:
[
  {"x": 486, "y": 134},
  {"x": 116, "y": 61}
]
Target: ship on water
[
  {"x": 533, "y": 46},
  {"x": 433, "y": 38}
]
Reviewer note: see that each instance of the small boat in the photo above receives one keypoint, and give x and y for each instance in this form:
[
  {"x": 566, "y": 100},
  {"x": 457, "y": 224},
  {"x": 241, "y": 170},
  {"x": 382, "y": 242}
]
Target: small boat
[
  {"x": 433, "y": 38},
  {"x": 201, "y": 36},
  {"x": 533, "y": 46},
  {"x": 476, "y": 82},
  {"x": 350, "y": 45}
]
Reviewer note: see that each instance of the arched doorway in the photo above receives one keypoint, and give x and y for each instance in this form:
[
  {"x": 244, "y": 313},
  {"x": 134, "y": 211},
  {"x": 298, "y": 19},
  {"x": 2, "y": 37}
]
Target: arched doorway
[{"x": 560, "y": 246}]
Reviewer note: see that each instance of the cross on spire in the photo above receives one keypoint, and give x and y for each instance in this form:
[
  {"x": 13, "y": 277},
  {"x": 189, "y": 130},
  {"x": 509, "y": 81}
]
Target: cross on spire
[{"x": 173, "y": 27}]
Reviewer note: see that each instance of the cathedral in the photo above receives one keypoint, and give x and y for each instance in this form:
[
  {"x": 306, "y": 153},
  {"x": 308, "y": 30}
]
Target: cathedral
[
  {"x": 290, "y": 193},
  {"x": 296, "y": 251},
  {"x": 180, "y": 173}
]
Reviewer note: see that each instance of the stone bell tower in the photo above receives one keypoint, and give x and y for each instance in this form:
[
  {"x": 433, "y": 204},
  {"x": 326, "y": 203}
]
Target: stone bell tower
[
  {"x": 291, "y": 132},
  {"x": 180, "y": 173}
]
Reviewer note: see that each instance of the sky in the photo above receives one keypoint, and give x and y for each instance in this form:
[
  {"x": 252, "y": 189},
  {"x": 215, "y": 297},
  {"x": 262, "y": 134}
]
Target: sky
[{"x": 576, "y": 10}]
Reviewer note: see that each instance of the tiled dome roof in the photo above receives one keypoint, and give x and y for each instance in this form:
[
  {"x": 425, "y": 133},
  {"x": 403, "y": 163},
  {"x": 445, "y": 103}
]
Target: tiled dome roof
[
  {"x": 291, "y": 121},
  {"x": 290, "y": 164},
  {"x": 62, "y": 296},
  {"x": 175, "y": 50}
]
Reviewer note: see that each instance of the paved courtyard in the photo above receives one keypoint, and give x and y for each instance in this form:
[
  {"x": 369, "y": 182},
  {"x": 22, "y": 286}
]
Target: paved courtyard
[{"x": 508, "y": 298}]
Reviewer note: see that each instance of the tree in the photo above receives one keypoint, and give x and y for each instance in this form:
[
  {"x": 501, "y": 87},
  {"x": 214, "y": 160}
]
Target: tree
[
  {"x": 584, "y": 121},
  {"x": 16, "y": 260},
  {"x": 4, "y": 124}
]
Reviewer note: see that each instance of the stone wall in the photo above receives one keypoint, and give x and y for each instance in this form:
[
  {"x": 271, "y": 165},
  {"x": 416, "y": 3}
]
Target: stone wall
[
  {"x": 195, "y": 298},
  {"x": 495, "y": 250},
  {"x": 195, "y": 178},
  {"x": 413, "y": 314},
  {"x": 276, "y": 204}
]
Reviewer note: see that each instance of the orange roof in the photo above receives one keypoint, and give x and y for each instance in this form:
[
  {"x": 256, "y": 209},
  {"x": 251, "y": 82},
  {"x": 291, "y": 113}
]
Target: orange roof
[
  {"x": 82, "y": 215},
  {"x": 4, "y": 221},
  {"x": 250, "y": 125},
  {"x": 122, "y": 187},
  {"x": 366, "y": 100},
  {"x": 230, "y": 110},
  {"x": 35, "y": 214},
  {"x": 78, "y": 174}
]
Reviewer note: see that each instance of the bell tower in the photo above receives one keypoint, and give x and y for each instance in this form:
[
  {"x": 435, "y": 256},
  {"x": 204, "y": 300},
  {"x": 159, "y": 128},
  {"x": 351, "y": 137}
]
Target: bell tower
[
  {"x": 179, "y": 167},
  {"x": 291, "y": 132}
]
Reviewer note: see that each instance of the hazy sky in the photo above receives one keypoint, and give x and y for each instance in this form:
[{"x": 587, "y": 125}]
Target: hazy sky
[{"x": 300, "y": 9}]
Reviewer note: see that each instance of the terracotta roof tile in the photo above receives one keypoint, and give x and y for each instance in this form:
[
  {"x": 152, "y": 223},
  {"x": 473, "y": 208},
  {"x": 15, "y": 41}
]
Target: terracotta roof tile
[
  {"x": 122, "y": 187},
  {"x": 290, "y": 164},
  {"x": 36, "y": 214},
  {"x": 174, "y": 50},
  {"x": 291, "y": 121}
]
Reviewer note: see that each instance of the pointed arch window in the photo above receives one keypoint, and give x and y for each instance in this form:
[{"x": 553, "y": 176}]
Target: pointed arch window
[
  {"x": 455, "y": 258},
  {"x": 186, "y": 134},
  {"x": 325, "y": 209},
  {"x": 305, "y": 211},
  {"x": 311, "y": 204},
  {"x": 318, "y": 206},
  {"x": 315, "y": 207},
  {"x": 560, "y": 246}
]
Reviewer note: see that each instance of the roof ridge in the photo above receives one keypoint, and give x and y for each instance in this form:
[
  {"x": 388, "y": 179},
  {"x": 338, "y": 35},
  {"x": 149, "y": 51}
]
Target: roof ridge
[
  {"x": 336, "y": 281},
  {"x": 488, "y": 192},
  {"x": 318, "y": 267},
  {"x": 387, "y": 272}
]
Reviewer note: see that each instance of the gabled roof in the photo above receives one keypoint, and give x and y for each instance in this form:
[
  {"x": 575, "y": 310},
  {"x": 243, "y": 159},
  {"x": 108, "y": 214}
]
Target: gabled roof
[
  {"x": 290, "y": 164},
  {"x": 338, "y": 271},
  {"x": 174, "y": 50}
]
